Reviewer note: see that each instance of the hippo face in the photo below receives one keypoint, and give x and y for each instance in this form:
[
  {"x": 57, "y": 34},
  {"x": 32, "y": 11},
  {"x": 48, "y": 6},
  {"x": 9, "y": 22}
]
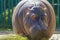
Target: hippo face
[{"x": 34, "y": 20}]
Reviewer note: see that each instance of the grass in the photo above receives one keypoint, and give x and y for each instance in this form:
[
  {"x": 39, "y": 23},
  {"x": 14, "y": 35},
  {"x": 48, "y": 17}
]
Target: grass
[
  {"x": 19, "y": 37},
  {"x": 5, "y": 29},
  {"x": 12, "y": 37}
]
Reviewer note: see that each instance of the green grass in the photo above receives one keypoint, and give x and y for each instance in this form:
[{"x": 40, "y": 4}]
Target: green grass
[
  {"x": 5, "y": 29},
  {"x": 12, "y": 37}
]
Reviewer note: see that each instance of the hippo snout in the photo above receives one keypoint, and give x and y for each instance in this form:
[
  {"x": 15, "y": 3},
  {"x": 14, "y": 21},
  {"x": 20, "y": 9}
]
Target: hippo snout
[{"x": 37, "y": 29}]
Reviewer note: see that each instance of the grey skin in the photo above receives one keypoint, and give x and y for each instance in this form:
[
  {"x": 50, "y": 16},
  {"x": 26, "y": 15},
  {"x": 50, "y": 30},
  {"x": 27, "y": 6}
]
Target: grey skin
[{"x": 34, "y": 19}]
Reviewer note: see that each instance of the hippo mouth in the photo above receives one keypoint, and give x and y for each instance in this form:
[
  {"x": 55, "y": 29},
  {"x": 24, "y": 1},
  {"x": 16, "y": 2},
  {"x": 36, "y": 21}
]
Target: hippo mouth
[
  {"x": 38, "y": 30},
  {"x": 40, "y": 35}
]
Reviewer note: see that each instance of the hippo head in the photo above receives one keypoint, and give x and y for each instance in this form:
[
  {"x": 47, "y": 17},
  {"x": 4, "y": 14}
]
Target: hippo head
[
  {"x": 34, "y": 21},
  {"x": 35, "y": 18}
]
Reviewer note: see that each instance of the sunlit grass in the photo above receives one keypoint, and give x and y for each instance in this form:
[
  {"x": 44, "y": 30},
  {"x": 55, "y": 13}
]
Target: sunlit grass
[
  {"x": 12, "y": 37},
  {"x": 19, "y": 37}
]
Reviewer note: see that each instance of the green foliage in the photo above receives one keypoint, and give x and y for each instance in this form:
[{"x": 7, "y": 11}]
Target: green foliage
[
  {"x": 55, "y": 1},
  {"x": 57, "y": 22},
  {"x": 8, "y": 3}
]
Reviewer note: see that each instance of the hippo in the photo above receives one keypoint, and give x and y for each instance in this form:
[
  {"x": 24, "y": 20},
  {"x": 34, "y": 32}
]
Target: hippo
[{"x": 34, "y": 19}]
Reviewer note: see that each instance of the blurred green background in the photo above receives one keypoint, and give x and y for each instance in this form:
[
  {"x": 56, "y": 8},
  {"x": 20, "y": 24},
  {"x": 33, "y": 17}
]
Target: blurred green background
[{"x": 7, "y": 7}]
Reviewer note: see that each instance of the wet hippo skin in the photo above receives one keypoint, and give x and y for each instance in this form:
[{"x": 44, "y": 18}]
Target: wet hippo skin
[{"x": 34, "y": 19}]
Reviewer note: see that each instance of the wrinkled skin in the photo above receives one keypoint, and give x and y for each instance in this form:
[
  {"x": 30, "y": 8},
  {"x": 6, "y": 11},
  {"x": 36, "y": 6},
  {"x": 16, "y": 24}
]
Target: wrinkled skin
[{"x": 35, "y": 19}]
